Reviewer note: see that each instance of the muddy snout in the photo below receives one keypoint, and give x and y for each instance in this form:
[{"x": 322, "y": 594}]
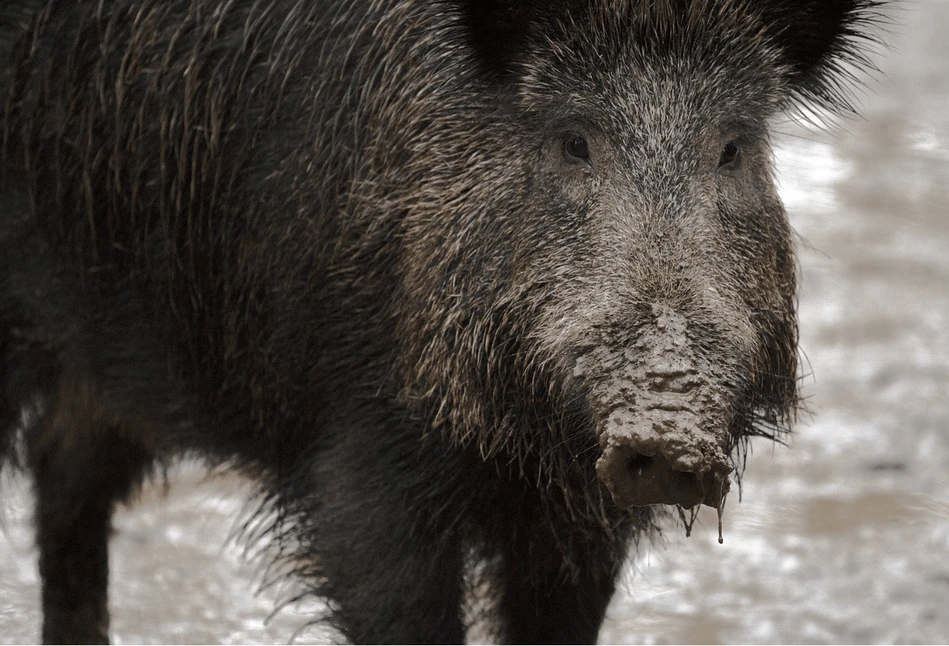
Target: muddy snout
[
  {"x": 636, "y": 478},
  {"x": 664, "y": 448},
  {"x": 663, "y": 416}
]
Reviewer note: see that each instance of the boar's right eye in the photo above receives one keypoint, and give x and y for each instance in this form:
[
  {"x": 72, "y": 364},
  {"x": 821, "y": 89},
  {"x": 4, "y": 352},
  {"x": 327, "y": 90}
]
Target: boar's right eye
[
  {"x": 576, "y": 150},
  {"x": 729, "y": 154}
]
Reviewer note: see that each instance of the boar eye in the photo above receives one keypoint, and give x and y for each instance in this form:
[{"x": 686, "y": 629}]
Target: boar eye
[
  {"x": 576, "y": 150},
  {"x": 729, "y": 154}
]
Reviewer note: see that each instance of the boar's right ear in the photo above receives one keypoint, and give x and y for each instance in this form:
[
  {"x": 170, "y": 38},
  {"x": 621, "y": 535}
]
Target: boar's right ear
[
  {"x": 820, "y": 40},
  {"x": 501, "y": 30}
]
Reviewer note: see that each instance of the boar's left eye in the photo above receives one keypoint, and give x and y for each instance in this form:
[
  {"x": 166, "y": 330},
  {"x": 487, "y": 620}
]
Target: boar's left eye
[
  {"x": 576, "y": 150},
  {"x": 729, "y": 154}
]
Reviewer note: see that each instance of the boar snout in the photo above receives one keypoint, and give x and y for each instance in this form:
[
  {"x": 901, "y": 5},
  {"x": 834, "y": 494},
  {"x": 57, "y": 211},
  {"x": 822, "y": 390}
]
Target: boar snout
[
  {"x": 665, "y": 442},
  {"x": 664, "y": 409}
]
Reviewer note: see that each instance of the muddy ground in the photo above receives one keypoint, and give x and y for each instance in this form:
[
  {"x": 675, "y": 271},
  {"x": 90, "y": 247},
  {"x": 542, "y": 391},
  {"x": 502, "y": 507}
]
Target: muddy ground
[{"x": 842, "y": 536}]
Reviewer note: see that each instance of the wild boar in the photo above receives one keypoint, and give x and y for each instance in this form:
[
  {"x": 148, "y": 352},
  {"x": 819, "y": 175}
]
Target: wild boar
[{"x": 455, "y": 281}]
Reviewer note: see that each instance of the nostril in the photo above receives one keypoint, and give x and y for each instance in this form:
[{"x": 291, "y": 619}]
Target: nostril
[{"x": 639, "y": 464}]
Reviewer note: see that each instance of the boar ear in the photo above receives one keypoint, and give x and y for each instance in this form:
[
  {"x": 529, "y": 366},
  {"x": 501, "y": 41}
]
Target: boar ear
[
  {"x": 501, "y": 30},
  {"x": 822, "y": 42}
]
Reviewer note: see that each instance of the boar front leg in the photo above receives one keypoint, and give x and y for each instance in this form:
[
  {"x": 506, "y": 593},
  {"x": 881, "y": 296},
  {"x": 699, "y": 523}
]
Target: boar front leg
[
  {"x": 555, "y": 592},
  {"x": 404, "y": 591},
  {"x": 81, "y": 467},
  {"x": 384, "y": 543}
]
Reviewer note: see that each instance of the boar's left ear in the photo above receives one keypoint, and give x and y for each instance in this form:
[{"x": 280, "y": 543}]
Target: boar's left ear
[
  {"x": 819, "y": 40},
  {"x": 500, "y": 31}
]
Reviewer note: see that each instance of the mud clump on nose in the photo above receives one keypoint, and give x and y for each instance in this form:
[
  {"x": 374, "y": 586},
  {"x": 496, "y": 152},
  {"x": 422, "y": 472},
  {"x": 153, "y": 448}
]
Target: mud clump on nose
[{"x": 637, "y": 479}]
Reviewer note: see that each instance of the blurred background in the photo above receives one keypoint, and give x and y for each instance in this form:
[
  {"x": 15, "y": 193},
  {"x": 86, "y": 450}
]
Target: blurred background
[{"x": 842, "y": 536}]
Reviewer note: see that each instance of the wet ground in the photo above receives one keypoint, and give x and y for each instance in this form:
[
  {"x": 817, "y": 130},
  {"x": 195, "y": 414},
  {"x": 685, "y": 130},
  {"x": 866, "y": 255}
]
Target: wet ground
[{"x": 843, "y": 536}]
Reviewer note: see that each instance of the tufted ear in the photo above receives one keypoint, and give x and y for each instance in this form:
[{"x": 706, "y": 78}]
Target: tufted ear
[
  {"x": 822, "y": 41},
  {"x": 501, "y": 30}
]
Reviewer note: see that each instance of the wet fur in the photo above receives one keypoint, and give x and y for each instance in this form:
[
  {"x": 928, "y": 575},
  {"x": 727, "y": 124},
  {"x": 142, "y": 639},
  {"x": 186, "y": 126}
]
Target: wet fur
[{"x": 261, "y": 233}]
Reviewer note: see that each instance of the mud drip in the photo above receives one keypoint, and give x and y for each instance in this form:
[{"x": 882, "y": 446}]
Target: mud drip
[{"x": 693, "y": 512}]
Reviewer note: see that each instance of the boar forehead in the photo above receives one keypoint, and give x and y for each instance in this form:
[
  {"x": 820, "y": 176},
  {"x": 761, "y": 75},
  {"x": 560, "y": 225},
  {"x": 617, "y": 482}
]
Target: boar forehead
[{"x": 638, "y": 72}]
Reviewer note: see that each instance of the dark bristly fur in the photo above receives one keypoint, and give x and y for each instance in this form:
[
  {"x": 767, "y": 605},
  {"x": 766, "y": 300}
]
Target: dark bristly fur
[{"x": 342, "y": 246}]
